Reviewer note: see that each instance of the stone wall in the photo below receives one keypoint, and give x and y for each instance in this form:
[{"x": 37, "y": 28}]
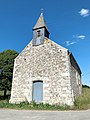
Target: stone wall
[
  {"x": 75, "y": 77},
  {"x": 47, "y": 62}
]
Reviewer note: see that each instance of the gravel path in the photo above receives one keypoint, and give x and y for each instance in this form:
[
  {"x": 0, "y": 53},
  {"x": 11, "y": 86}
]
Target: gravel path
[{"x": 6, "y": 114}]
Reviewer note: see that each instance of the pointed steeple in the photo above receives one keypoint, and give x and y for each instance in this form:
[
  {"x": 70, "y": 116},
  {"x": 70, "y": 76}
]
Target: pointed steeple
[
  {"x": 40, "y": 31},
  {"x": 40, "y": 22}
]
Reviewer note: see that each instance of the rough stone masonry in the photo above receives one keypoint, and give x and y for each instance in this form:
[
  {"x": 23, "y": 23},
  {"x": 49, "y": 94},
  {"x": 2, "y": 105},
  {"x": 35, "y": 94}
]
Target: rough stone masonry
[{"x": 44, "y": 61}]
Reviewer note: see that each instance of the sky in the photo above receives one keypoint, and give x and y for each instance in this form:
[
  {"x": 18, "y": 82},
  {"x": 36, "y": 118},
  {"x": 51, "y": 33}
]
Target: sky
[{"x": 68, "y": 22}]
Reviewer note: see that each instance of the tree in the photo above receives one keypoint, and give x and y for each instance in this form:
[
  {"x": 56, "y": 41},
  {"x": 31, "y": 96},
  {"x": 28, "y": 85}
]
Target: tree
[{"x": 6, "y": 69}]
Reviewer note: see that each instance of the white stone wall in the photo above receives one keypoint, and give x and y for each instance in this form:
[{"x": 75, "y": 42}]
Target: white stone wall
[{"x": 47, "y": 62}]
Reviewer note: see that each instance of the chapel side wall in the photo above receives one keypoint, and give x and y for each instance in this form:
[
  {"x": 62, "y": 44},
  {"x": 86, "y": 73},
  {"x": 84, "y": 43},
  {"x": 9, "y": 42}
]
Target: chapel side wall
[{"x": 75, "y": 81}]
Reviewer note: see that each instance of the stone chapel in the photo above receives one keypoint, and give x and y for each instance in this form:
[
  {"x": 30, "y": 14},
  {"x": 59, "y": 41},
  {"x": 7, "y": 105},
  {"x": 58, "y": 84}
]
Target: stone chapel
[{"x": 45, "y": 72}]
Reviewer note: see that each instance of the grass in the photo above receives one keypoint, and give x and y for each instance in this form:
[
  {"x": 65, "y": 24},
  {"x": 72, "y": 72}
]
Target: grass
[
  {"x": 82, "y": 102},
  {"x": 32, "y": 106}
]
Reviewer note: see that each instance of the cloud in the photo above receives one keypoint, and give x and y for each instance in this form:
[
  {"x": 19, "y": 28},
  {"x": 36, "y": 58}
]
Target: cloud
[
  {"x": 82, "y": 37},
  {"x": 84, "y": 12},
  {"x": 68, "y": 43},
  {"x": 75, "y": 39}
]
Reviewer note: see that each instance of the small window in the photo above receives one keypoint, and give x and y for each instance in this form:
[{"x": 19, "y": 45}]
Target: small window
[{"x": 38, "y": 33}]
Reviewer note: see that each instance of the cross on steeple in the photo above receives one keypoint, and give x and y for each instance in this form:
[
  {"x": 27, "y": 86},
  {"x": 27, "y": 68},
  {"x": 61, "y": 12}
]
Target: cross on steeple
[{"x": 42, "y": 11}]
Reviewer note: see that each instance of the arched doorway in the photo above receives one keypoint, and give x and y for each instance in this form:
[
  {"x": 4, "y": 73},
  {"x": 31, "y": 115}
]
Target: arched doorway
[{"x": 38, "y": 91}]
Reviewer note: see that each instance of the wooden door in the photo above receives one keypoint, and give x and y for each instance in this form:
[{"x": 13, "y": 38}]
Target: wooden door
[{"x": 38, "y": 91}]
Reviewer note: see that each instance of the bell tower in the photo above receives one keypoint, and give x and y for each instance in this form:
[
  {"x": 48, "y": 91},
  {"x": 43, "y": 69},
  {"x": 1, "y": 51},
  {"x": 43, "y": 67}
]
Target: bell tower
[{"x": 40, "y": 30}]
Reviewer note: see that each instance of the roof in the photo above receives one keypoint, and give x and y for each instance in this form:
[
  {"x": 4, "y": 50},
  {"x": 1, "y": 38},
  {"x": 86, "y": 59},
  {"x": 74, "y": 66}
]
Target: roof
[
  {"x": 74, "y": 63},
  {"x": 40, "y": 22}
]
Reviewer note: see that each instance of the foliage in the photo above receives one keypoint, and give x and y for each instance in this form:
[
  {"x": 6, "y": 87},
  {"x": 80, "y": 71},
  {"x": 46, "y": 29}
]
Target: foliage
[
  {"x": 83, "y": 101},
  {"x": 85, "y": 86},
  {"x": 6, "y": 69},
  {"x": 7, "y": 95}
]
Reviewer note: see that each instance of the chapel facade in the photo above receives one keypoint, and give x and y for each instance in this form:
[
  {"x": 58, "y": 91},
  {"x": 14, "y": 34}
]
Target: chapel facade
[{"x": 45, "y": 72}]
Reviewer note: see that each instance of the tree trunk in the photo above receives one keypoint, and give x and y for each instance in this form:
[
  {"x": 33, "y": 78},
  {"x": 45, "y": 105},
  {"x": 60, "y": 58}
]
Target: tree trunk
[{"x": 5, "y": 91}]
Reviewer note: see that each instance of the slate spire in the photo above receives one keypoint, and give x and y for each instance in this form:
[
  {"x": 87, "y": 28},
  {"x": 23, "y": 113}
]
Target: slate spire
[
  {"x": 40, "y": 22},
  {"x": 40, "y": 31}
]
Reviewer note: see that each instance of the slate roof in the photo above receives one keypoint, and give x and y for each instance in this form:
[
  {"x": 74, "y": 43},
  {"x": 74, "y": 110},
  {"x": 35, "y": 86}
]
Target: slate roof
[{"x": 40, "y": 22}]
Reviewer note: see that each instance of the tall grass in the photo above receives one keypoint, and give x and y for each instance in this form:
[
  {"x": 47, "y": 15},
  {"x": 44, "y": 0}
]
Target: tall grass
[{"x": 83, "y": 101}]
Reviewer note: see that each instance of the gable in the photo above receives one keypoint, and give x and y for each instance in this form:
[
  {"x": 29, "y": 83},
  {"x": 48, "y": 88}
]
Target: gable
[{"x": 28, "y": 50}]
